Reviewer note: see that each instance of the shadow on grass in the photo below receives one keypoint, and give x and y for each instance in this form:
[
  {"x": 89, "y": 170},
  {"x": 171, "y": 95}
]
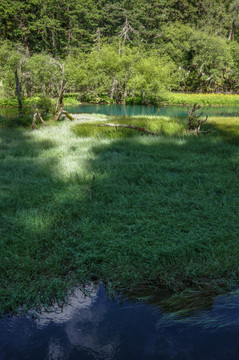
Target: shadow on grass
[{"x": 132, "y": 212}]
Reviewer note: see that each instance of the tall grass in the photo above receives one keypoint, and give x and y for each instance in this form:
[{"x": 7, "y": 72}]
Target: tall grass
[
  {"x": 129, "y": 211},
  {"x": 202, "y": 99},
  {"x": 165, "y": 125}
]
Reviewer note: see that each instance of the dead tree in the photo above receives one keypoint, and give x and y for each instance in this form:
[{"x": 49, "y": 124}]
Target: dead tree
[
  {"x": 59, "y": 104},
  {"x": 60, "y": 112},
  {"x": 35, "y": 116},
  {"x": 97, "y": 40},
  {"x": 18, "y": 92},
  {"x": 194, "y": 121},
  {"x": 126, "y": 30}
]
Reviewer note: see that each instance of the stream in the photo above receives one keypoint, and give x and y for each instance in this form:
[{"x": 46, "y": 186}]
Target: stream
[
  {"x": 97, "y": 327},
  {"x": 150, "y": 110}
]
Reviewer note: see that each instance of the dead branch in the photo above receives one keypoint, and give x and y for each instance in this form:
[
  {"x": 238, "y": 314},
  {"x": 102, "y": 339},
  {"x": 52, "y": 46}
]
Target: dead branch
[
  {"x": 62, "y": 112},
  {"x": 35, "y": 116},
  {"x": 130, "y": 127},
  {"x": 194, "y": 121}
]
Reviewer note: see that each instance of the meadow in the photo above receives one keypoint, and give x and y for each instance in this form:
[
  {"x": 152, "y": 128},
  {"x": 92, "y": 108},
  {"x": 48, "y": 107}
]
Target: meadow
[{"x": 82, "y": 203}]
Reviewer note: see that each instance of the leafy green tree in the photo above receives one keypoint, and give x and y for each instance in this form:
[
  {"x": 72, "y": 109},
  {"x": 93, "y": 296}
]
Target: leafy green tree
[{"x": 43, "y": 75}]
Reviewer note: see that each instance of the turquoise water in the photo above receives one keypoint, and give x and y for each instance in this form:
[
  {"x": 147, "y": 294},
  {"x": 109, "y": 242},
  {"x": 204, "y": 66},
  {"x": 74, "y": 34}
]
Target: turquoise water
[
  {"x": 133, "y": 110},
  {"x": 143, "y": 110}
]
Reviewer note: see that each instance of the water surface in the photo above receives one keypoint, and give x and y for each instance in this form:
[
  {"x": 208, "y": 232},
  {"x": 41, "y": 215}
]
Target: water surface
[
  {"x": 96, "y": 327},
  {"x": 150, "y": 110},
  {"x": 133, "y": 110}
]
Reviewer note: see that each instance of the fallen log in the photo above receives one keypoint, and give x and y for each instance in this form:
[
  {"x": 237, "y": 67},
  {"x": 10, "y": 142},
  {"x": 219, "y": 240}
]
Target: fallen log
[{"x": 137, "y": 128}]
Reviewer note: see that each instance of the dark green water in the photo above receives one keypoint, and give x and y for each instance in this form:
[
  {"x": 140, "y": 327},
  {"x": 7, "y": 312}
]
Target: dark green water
[
  {"x": 142, "y": 110},
  {"x": 97, "y": 328}
]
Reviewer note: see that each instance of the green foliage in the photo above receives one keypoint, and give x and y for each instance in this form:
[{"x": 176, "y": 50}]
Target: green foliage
[
  {"x": 43, "y": 75},
  {"x": 110, "y": 74},
  {"x": 12, "y": 58},
  {"x": 42, "y": 103},
  {"x": 110, "y": 47}
]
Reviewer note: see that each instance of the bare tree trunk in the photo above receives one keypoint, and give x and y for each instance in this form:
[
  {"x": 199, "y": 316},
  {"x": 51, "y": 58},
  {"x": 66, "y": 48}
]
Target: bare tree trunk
[
  {"x": 37, "y": 114},
  {"x": 62, "y": 88},
  {"x": 62, "y": 112},
  {"x": 69, "y": 38},
  {"x": 125, "y": 88},
  {"x": 26, "y": 46},
  {"x": 232, "y": 31},
  {"x": 97, "y": 40},
  {"x": 18, "y": 91},
  {"x": 194, "y": 123},
  {"x": 53, "y": 42},
  {"x": 113, "y": 89}
]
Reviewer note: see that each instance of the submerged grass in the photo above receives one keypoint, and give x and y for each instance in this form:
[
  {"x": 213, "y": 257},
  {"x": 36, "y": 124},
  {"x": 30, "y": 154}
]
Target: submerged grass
[{"x": 129, "y": 211}]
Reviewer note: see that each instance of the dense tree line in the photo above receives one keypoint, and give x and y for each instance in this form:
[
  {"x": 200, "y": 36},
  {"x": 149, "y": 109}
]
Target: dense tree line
[{"x": 121, "y": 49}]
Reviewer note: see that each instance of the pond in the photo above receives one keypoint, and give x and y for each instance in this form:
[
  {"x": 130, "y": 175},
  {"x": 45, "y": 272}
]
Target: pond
[
  {"x": 143, "y": 110},
  {"x": 96, "y": 327},
  {"x": 133, "y": 110}
]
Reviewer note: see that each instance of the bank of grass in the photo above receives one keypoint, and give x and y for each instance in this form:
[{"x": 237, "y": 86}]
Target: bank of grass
[
  {"x": 162, "y": 125},
  {"x": 205, "y": 99},
  {"x": 38, "y": 101},
  {"x": 128, "y": 211}
]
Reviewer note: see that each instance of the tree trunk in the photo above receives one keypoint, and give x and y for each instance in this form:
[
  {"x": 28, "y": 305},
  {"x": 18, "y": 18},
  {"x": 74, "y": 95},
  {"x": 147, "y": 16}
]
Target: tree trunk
[
  {"x": 26, "y": 46},
  {"x": 232, "y": 31},
  {"x": 62, "y": 112},
  {"x": 113, "y": 89},
  {"x": 37, "y": 114},
  {"x": 62, "y": 88},
  {"x": 53, "y": 42},
  {"x": 18, "y": 91},
  {"x": 69, "y": 38}
]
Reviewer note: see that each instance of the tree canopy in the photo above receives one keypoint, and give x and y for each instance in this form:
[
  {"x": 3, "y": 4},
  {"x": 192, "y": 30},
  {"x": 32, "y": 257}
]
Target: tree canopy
[{"x": 117, "y": 47}]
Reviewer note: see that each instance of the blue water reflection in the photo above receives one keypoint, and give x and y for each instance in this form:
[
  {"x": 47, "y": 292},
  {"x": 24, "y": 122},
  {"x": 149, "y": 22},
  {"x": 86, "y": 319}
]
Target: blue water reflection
[
  {"x": 143, "y": 110},
  {"x": 98, "y": 328}
]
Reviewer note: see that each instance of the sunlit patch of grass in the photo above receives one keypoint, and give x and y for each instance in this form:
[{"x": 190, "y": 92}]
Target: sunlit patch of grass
[
  {"x": 227, "y": 128},
  {"x": 162, "y": 125},
  {"x": 202, "y": 99}
]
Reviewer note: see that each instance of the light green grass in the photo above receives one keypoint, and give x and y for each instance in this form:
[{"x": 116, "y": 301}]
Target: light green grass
[
  {"x": 201, "y": 99},
  {"x": 129, "y": 211},
  {"x": 166, "y": 125}
]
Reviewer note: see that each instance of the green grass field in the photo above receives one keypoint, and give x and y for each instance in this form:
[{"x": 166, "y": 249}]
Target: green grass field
[{"x": 130, "y": 211}]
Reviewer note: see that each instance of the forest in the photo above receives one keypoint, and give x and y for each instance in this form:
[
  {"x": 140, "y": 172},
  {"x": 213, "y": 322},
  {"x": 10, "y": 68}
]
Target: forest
[{"x": 119, "y": 51}]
